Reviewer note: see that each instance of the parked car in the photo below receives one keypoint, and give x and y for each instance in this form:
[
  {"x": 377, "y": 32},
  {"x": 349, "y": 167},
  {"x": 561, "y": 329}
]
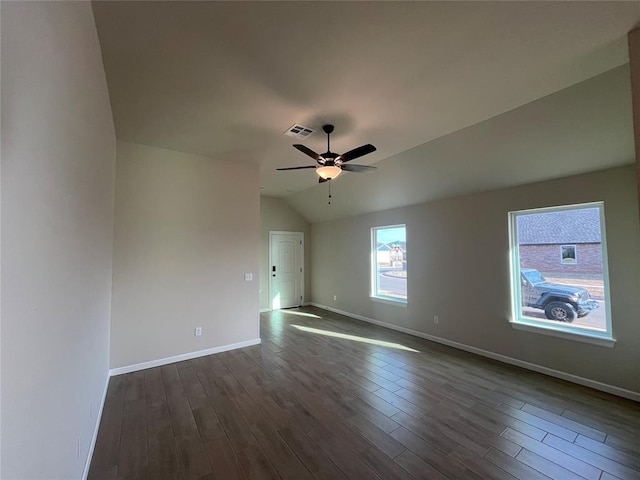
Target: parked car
[{"x": 563, "y": 303}]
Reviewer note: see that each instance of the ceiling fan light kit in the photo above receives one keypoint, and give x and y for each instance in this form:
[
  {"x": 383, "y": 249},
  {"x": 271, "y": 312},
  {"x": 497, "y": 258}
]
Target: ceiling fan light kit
[
  {"x": 330, "y": 164},
  {"x": 328, "y": 172}
]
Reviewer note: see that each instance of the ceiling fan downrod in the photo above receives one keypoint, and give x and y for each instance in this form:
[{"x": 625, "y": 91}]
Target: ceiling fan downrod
[{"x": 328, "y": 129}]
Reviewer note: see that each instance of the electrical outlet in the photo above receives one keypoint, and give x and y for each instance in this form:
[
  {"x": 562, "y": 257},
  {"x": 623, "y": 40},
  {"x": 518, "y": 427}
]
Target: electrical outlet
[
  {"x": 436, "y": 319},
  {"x": 248, "y": 277},
  {"x": 335, "y": 297},
  {"x": 198, "y": 332}
]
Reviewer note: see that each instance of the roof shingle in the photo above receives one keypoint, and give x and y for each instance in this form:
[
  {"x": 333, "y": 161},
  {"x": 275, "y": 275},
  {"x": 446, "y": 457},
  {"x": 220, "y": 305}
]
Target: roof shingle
[{"x": 560, "y": 227}]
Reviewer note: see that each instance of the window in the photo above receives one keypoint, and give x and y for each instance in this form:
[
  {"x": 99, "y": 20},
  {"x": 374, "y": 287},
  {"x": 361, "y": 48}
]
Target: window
[
  {"x": 565, "y": 298},
  {"x": 389, "y": 263},
  {"x": 568, "y": 254}
]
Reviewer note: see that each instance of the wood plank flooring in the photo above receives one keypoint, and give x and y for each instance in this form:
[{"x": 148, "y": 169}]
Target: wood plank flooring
[{"x": 327, "y": 397}]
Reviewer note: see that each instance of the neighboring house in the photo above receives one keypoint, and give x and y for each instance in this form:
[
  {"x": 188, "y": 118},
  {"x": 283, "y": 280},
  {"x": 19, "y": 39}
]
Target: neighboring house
[
  {"x": 561, "y": 242},
  {"x": 386, "y": 252}
]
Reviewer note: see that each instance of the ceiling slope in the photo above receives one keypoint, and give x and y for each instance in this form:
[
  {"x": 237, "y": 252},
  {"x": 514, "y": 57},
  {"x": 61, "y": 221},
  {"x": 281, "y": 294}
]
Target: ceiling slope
[
  {"x": 226, "y": 79},
  {"x": 583, "y": 128}
]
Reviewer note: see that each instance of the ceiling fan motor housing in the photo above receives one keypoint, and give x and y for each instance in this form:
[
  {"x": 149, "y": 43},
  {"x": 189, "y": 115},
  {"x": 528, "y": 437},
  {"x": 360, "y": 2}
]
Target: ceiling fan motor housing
[{"x": 329, "y": 158}]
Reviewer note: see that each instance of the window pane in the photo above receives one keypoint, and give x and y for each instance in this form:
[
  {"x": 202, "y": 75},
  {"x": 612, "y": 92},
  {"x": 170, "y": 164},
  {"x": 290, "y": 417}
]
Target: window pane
[
  {"x": 389, "y": 263},
  {"x": 559, "y": 268}
]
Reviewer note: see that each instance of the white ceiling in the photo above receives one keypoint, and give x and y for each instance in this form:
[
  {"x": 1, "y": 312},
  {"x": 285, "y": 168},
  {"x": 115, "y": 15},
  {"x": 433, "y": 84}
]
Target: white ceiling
[{"x": 226, "y": 79}]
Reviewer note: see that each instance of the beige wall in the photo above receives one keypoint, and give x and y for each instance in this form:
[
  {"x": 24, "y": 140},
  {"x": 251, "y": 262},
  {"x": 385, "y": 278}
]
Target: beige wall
[
  {"x": 634, "y": 61},
  {"x": 459, "y": 269},
  {"x": 58, "y": 166},
  {"x": 186, "y": 232}
]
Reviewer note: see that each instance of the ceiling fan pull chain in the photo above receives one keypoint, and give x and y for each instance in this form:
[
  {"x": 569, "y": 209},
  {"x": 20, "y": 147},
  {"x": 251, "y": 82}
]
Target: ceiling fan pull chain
[{"x": 329, "y": 182}]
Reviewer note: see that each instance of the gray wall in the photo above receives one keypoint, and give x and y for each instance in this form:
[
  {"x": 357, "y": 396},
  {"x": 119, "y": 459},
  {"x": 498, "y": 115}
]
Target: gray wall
[
  {"x": 459, "y": 269},
  {"x": 58, "y": 167},
  {"x": 186, "y": 232},
  {"x": 276, "y": 215}
]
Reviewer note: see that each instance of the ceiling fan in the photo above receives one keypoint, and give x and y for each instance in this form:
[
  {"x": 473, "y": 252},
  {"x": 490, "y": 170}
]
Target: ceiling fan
[{"x": 330, "y": 164}]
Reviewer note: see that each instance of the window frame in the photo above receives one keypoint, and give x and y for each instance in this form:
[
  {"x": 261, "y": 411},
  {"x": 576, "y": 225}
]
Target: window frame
[
  {"x": 550, "y": 327},
  {"x": 373, "y": 293}
]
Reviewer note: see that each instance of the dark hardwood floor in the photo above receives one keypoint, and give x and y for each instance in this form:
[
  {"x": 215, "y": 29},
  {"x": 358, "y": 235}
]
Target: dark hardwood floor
[{"x": 369, "y": 403}]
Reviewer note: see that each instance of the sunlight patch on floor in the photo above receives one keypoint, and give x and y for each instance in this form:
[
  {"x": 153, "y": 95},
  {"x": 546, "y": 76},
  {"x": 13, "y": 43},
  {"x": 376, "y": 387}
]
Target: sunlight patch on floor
[{"x": 355, "y": 338}]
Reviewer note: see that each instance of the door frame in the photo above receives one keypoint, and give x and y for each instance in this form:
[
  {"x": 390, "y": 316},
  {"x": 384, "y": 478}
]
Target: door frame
[{"x": 302, "y": 273}]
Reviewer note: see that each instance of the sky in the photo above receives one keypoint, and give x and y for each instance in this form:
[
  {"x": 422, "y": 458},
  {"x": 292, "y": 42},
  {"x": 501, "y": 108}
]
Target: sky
[{"x": 394, "y": 234}]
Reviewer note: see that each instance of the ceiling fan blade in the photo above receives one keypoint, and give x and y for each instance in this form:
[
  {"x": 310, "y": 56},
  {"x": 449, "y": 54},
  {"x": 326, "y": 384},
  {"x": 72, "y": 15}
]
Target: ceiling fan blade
[
  {"x": 297, "y": 168},
  {"x": 357, "y": 152},
  {"x": 322, "y": 180},
  {"x": 358, "y": 168},
  {"x": 307, "y": 151}
]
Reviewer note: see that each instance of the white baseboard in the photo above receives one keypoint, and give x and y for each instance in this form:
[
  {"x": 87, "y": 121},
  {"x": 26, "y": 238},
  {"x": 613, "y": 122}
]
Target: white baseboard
[
  {"x": 621, "y": 392},
  {"x": 94, "y": 437},
  {"x": 180, "y": 358},
  {"x": 265, "y": 310}
]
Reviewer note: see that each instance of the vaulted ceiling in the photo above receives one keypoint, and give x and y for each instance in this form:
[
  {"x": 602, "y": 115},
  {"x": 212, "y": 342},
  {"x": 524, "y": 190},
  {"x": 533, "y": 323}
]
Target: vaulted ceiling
[{"x": 456, "y": 96}]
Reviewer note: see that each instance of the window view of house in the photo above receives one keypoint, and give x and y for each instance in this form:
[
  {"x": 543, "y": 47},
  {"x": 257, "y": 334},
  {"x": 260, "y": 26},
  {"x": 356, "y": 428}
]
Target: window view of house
[
  {"x": 389, "y": 263},
  {"x": 559, "y": 268}
]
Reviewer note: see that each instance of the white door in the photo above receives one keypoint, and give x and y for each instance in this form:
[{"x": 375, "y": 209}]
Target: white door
[{"x": 285, "y": 269}]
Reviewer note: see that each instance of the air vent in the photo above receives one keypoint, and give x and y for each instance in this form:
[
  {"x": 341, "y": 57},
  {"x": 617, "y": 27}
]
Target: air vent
[{"x": 298, "y": 131}]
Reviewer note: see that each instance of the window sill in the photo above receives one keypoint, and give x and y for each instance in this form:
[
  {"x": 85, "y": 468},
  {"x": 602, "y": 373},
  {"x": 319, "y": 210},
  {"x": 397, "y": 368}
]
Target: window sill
[
  {"x": 585, "y": 337},
  {"x": 390, "y": 301}
]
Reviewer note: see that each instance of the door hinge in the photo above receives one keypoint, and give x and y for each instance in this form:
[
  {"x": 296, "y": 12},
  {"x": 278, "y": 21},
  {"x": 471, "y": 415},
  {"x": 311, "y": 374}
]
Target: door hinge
[
  {"x": 300, "y": 242},
  {"x": 300, "y": 269}
]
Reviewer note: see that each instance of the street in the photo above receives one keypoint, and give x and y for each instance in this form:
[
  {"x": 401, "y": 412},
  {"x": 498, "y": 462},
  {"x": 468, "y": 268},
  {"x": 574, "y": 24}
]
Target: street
[
  {"x": 595, "y": 319},
  {"x": 392, "y": 286}
]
